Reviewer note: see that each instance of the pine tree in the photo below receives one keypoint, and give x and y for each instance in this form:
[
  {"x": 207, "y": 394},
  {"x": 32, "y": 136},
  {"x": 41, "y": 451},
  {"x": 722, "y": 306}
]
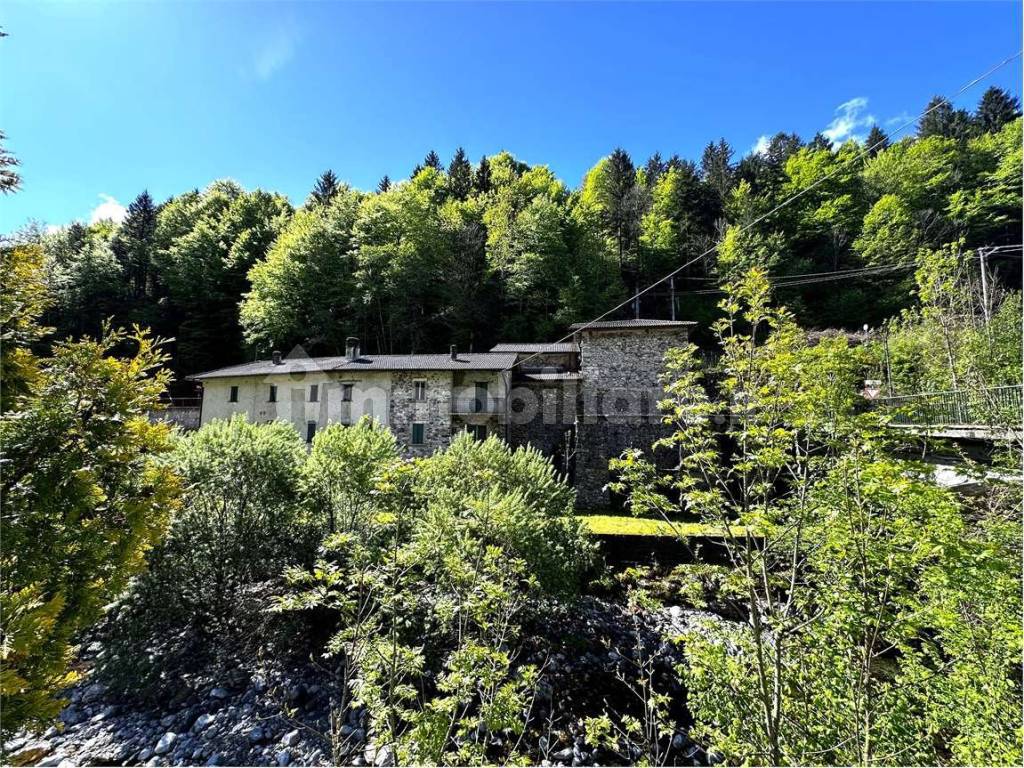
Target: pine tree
[
  {"x": 460, "y": 175},
  {"x": 134, "y": 244},
  {"x": 716, "y": 167},
  {"x": 416, "y": 171},
  {"x": 384, "y": 184},
  {"x": 432, "y": 160},
  {"x": 326, "y": 188},
  {"x": 482, "y": 177},
  {"x": 942, "y": 120},
  {"x": 876, "y": 141},
  {"x": 653, "y": 169},
  {"x": 996, "y": 109},
  {"x": 820, "y": 142},
  {"x": 622, "y": 215},
  {"x": 10, "y": 179}
]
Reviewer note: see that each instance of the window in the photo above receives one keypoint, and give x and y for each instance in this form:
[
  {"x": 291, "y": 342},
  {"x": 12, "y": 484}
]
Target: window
[
  {"x": 314, "y": 392},
  {"x": 272, "y": 397},
  {"x": 417, "y": 433},
  {"x": 478, "y": 431},
  {"x": 346, "y": 393},
  {"x": 233, "y": 395},
  {"x": 419, "y": 390},
  {"x": 310, "y": 431}
]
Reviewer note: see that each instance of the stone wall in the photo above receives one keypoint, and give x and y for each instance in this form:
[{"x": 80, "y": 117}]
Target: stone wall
[
  {"x": 621, "y": 389},
  {"x": 435, "y": 412},
  {"x": 541, "y": 413}
]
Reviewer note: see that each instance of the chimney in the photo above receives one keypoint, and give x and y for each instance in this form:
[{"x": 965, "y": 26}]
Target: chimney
[
  {"x": 455, "y": 355},
  {"x": 276, "y": 355},
  {"x": 352, "y": 348}
]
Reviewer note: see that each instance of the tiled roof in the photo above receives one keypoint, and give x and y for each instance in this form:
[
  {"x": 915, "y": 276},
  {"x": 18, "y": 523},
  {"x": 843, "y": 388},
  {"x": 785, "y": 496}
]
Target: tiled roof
[
  {"x": 534, "y": 348},
  {"x": 465, "y": 361},
  {"x": 614, "y": 325}
]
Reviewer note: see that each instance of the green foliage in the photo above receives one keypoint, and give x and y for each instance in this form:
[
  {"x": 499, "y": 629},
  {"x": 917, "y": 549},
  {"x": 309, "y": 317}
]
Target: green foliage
[
  {"x": 876, "y": 614},
  {"x": 430, "y": 591},
  {"x": 341, "y": 472},
  {"x": 84, "y": 495},
  {"x": 23, "y": 300}
]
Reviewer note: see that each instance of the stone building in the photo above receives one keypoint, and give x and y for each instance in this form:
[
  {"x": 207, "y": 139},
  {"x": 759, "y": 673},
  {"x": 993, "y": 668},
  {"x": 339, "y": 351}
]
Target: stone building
[{"x": 580, "y": 402}]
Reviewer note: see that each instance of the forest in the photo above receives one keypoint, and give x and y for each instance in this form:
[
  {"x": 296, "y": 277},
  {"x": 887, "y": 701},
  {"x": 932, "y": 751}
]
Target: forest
[
  {"x": 470, "y": 254},
  {"x": 233, "y": 596}
]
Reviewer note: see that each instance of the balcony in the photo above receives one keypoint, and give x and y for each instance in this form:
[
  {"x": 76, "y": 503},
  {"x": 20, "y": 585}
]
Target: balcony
[{"x": 469, "y": 406}]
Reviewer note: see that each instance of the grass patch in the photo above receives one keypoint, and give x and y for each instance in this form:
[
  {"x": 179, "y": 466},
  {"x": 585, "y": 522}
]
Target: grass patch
[{"x": 626, "y": 525}]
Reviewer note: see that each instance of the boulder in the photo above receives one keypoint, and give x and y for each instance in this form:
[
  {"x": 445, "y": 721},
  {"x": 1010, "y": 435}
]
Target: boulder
[{"x": 165, "y": 744}]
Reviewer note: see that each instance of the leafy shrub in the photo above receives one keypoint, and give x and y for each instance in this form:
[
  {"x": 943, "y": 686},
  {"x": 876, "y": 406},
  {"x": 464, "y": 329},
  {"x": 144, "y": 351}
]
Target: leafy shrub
[
  {"x": 241, "y": 524},
  {"x": 509, "y": 498},
  {"x": 84, "y": 494},
  {"x": 338, "y": 477}
]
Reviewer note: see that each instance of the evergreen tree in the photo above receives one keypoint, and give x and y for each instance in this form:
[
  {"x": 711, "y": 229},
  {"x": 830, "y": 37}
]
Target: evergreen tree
[
  {"x": 10, "y": 179},
  {"x": 460, "y": 175},
  {"x": 135, "y": 242},
  {"x": 653, "y": 169},
  {"x": 942, "y": 120},
  {"x": 996, "y": 109},
  {"x": 819, "y": 142},
  {"x": 432, "y": 160},
  {"x": 326, "y": 188},
  {"x": 716, "y": 167},
  {"x": 622, "y": 215},
  {"x": 482, "y": 177},
  {"x": 876, "y": 141},
  {"x": 416, "y": 171},
  {"x": 384, "y": 184}
]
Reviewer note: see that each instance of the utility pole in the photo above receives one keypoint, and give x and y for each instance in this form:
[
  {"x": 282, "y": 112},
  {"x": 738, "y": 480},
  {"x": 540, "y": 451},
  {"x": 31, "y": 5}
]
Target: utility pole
[{"x": 672, "y": 290}]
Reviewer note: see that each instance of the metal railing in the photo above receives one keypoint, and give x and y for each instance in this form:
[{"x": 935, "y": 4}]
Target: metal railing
[
  {"x": 469, "y": 405},
  {"x": 990, "y": 406}
]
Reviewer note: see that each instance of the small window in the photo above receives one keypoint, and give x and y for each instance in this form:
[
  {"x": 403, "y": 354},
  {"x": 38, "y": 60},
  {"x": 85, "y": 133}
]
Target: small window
[
  {"x": 272, "y": 397},
  {"x": 233, "y": 395},
  {"x": 420, "y": 390},
  {"x": 478, "y": 431},
  {"x": 417, "y": 433},
  {"x": 310, "y": 431},
  {"x": 314, "y": 392},
  {"x": 346, "y": 393}
]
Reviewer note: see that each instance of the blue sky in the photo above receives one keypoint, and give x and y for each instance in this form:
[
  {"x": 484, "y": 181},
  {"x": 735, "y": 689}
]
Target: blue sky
[{"x": 101, "y": 100}]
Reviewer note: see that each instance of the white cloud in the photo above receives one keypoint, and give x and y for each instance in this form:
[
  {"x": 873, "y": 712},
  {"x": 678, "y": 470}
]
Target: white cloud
[
  {"x": 108, "y": 209},
  {"x": 761, "y": 146},
  {"x": 275, "y": 52},
  {"x": 848, "y": 122}
]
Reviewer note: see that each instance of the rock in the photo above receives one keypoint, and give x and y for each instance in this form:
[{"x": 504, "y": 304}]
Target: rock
[
  {"x": 257, "y": 734},
  {"x": 214, "y": 759},
  {"x": 563, "y": 755},
  {"x": 384, "y": 757},
  {"x": 715, "y": 758},
  {"x": 31, "y": 753},
  {"x": 197, "y": 753},
  {"x": 202, "y": 722},
  {"x": 283, "y": 757},
  {"x": 678, "y": 740},
  {"x": 49, "y": 762},
  {"x": 154, "y": 760},
  {"x": 166, "y": 742},
  {"x": 220, "y": 693},
  {"x": 345, "y": 731},
  {"x": 50, "y": 733},
  {"x": 73, "y": 715},
  {"x": 144, "y": 755},
  {"x": 695, "y": 753},
  {"x": 358, "y": 736},
  {"x": 93, "y": 692},
  {"x": 296, "y": 694},
  {"x": 168, "y": 720},
  {"x": 291, "y": 738}
]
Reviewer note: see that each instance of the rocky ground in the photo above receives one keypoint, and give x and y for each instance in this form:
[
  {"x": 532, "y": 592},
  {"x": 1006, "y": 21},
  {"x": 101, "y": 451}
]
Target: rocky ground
[{"x": 590, "y": 653}]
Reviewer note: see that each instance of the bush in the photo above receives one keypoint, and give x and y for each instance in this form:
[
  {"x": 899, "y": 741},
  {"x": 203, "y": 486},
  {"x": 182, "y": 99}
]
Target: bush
[
  {"x": 84, "y": 494},
  {"x": 508, "y": 498},
  {"x": 241, "y": 524}
]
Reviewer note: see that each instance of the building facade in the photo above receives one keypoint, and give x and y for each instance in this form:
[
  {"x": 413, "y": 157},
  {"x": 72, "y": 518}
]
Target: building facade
[{"x": 580, "y": 402}]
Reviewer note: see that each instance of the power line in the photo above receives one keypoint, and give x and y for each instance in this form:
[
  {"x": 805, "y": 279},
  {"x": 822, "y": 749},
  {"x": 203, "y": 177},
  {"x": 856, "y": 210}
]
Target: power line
[{"x": 863, "y": 153}]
